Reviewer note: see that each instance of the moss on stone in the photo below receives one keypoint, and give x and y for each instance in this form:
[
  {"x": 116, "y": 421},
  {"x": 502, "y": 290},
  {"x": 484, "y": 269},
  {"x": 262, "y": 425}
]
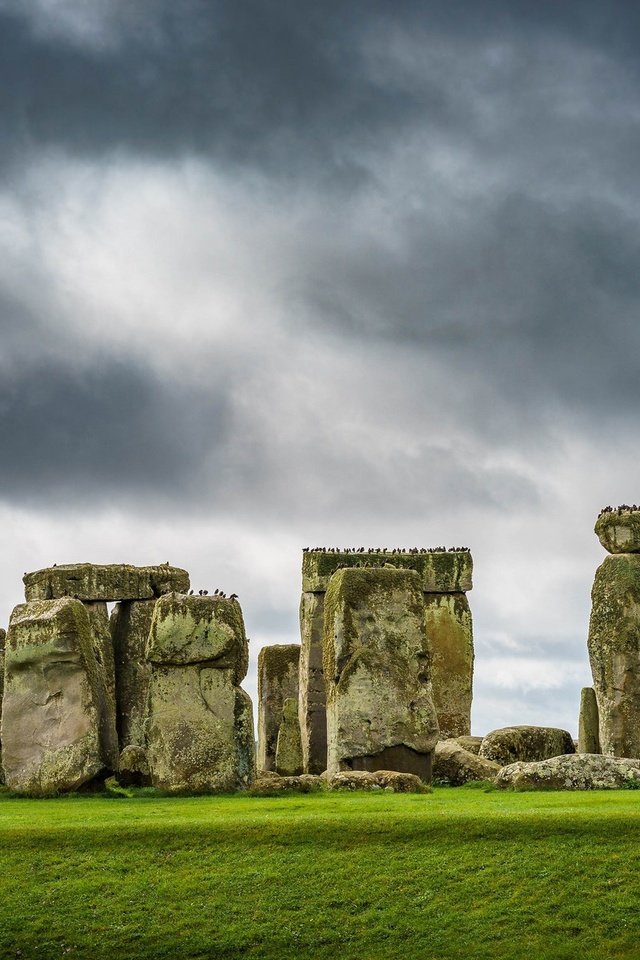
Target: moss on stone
[
  {"x": 619, "y": 530},
  {"x": 445, "y": 571},
  {"x": 108, "y": 582}
]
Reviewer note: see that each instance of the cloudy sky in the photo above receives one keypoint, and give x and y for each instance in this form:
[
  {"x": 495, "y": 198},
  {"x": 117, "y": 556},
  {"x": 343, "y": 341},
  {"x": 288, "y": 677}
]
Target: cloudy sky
[{"x": 276, "y": 274}]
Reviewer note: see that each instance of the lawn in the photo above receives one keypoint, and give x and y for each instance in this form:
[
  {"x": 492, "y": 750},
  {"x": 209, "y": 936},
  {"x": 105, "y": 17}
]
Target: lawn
[{"x": 455, "y": 874}]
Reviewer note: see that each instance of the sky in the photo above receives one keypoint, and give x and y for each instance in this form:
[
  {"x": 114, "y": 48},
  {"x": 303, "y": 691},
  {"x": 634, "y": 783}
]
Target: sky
[{"x": 278, "y": 274}]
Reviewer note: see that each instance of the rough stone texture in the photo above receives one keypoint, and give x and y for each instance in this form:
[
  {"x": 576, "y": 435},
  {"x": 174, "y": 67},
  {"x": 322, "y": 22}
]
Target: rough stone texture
[
  {"x": 289, "y": 745},
  {"x": 114, "y": 581},
  {"x": 389, "y": 780},
  {"x": 580, "y": 771},
  {"x": 312, "y": 702},
  {"x": 588, "y": 723},
  {"x": 380, "y": 712},
  {"x": 278, "y": 670},
  {"x": 614, "y": 653},
  {"x": 441, "y": 571},
  {"x": 619, "y": 531},
  {"x": 454, "y": 765},
  {"x": 134, "y": 767},
  {"x": 130, "y": 626},
  {"x": 472, "y": 744},
  {"x": 451, "y": 637},
  {"x": 50, "y": 715},
  {"x": 3, "y": 636},
  {"x": 268, "y": 783},
  {"x": 103, "y": 650},
  {"x": 201, "y": 723},
  {"x": 528, "y": 744}
]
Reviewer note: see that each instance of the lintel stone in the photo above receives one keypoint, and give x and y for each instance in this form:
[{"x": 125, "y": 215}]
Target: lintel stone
[{"x": 107, "y": 582}]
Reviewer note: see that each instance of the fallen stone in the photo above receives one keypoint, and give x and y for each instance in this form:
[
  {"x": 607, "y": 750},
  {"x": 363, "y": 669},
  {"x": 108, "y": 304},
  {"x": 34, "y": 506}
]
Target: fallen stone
[
  {"x": 579, "y": 771},
  {"x": 278, "y": 669},
  {"x": 472, "y": 744},
  {"x": 450, "y": 633},
  {"x": 619, "y": 531},
  {"x": 130, "y": 626},
  {"x": 588, "y": 722},
  {"x": 51, "y": 706},
  {"x": 312, "y": 690},
  {"x": 380, "y": 712},
  {"x": 289, "y": 745},
  {"x": 134, "y": 767},
  {"x": 390, "y": 781},
  {"x": 456, "y": 766},
  {"x": 109, "y": 582},
  {"x": 267, "y": 783},
  {"x": 614, "y": 653},
  {"x": 525, "y": 743},
  {"x": 201, "y": 722}
]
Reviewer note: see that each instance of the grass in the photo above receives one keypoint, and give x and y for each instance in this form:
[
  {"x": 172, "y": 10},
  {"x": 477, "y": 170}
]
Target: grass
[{"x": 455, "y": 874}]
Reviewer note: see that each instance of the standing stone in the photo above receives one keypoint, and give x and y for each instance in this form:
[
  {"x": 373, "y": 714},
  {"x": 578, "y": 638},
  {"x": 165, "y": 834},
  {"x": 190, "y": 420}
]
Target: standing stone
[
  {"x": 103, "y": 650},
  {"x": 278, "y": 667},
  {"x": 312, "y": 693},
  {"x": 51, "y": 707},
  {"x": 451, "y": 635},
  {"x": 588, "y": 732},
  {"x": 288, "y": 759},
  {"x": 130, "y": 626},
  {"x": 614, "y": 653},
  {"x": 201, "y": 724},
  {"x": 3, "y": 637},
  {"x": 108, "y": 582},
  {"x": 380, "y": 712}
]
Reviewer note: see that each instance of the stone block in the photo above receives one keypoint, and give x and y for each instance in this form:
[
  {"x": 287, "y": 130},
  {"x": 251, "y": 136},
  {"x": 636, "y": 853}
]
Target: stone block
[
  {"x": 454, "y": 765},
  {"x": 289, "y": 745},
  {"x": 440, "y": 571},
  {"x": 588, "y": 723},
  {"x": 619, "y": 530},
  {"x": 312, "y": 697},
  {"x": 108, "y": 582},
  {"x": 526, "y": 743},
  {"x": 391, "y": 781},
  {"x": 51, "y": 707},
  {"x": 614, "y": 653},
  {"x": 579, "y": 771},
  {"x": 103, "y": 651},
  {"x": 278, "y": 670},
  {"x": 450, "y": 634},
  {"x": 130, "y": 627},
  {"x": 380, "y": 712}
]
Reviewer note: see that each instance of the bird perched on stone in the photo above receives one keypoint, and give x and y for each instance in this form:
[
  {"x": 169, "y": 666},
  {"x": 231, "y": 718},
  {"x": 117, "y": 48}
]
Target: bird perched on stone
[{"x": 234, "y": 596}]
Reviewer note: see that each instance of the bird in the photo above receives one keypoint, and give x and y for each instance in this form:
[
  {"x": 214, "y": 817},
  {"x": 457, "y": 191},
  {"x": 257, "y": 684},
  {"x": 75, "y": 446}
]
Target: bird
[
  {"x": 190, "y": 593},
  {"x": 234, "y": 596},
  {"x": 205, "y": 593}
]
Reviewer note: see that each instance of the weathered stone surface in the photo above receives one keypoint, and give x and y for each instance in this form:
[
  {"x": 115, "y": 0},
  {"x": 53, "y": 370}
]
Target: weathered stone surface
[
  {"x": 450, "y": 634},
  {"x": 389, "y": 780},
  {"x": 201, "y": 723},
  {"x": 455, "y": 766},
  {"x": 580, "y": 771},
  {"x": 588, "y": 723},
  {"x": 619, "y": 530},
  {"x": 529, "y": 744},
  {"x": 312, "y": 702},
  {"x": 614, "y": 653},
  {"x": 3, "y": 636},
  {"x": 278, "y": 670},
  {"x": 134, "y": 767},
  {"x": 50, "y": 713},
  {"x": 103, "y": 650},
  {"x": 190, "y": 629},
  {"x": 130, "y": 626},
  {"x": 289, "y": 745},
  {"x": 442, "y": 571},
  {"x": 472, "y": 744},
  {"x": 108, "y": 582},
  {"x": 268, "y": 783},
  {"x": 380, "y": 712}
]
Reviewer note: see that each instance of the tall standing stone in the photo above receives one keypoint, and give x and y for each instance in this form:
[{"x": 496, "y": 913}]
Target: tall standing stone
[
  {"x": 289, "y": 745},
  {"x": 201, "y": 724},
  {"x": 3, "y": 637},
  {"x": 614, "y": 635},
  {"x": 130, "y": 627},
  {"x": 278, "y": 667},
  {"x": 103, "y": 650},
  {"x": 51, "y": 708},
  {"x": 380, "y": 712},
  {"x": 588, "y": 722},
  {"x": 446, "y": 577}
]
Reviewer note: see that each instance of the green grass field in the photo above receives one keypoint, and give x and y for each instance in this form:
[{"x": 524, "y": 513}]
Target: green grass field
[{"x": 455, "y": 874}]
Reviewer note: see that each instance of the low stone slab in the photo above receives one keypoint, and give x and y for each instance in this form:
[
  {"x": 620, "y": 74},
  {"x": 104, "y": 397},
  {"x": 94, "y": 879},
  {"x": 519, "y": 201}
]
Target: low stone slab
[
  {"x": 529, "y": 744},
  {"x": 580, "y": 771},
  {"x": 108, "y": 582},
  {"x": 618, "y": 530},
  {"x": 440, "y": 571},
  {"x": 388, "y": 780},
  {"x": 268, "y": 783},
  {"x": 456, "y": 766}
]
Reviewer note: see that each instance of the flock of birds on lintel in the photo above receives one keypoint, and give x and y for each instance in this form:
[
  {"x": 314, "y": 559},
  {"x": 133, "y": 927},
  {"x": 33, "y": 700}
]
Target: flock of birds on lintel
[
  {"x": 623, "y": 508},
  {"x": 384, "y": 550},
  {"x": 216, "y": 595}
]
